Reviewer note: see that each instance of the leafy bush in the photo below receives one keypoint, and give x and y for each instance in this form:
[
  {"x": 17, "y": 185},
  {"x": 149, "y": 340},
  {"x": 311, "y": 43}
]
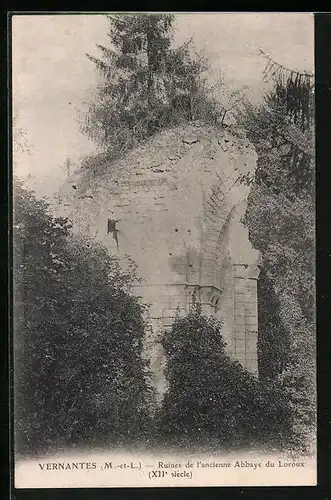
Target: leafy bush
[
  {"x": 78, "y": 338},
  {"x": 212, "y": 401}
]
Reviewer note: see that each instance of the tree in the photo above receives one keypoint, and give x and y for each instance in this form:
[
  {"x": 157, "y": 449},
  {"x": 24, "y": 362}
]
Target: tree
[
  {"x": 79, "y": 375},
  {"x": 146, "y": 83},
  {"x": 212, "y": 401},
  {"x": 281, "y": 222}
]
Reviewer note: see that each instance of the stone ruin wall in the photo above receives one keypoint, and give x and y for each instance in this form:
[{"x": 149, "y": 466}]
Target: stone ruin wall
[{"x": 177, "y": 201}]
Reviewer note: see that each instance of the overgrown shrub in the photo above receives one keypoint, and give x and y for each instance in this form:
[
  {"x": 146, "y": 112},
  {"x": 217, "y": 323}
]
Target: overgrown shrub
[
  {"x": 80, "y": 379},
  {"x": 212, "y": 402}
]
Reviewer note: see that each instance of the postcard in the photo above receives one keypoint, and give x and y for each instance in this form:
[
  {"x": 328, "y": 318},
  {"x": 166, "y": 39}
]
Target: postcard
[{"x": 163, "y": 249}]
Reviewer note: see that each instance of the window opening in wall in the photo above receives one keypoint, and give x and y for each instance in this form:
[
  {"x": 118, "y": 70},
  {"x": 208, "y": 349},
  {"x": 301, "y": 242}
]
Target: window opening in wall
[{"x": 111, "y": 229}]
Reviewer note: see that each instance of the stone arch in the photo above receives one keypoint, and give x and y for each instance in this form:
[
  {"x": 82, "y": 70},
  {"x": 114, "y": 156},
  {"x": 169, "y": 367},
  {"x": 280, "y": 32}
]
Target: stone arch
[{"x": 178, "y": 200}]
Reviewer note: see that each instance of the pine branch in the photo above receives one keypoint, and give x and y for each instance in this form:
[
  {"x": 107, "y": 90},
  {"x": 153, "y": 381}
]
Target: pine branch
[
  {"x": 280, "y": 69},
  {"x": 102, "y": 66},
  {"x": 107, "y": 52}
]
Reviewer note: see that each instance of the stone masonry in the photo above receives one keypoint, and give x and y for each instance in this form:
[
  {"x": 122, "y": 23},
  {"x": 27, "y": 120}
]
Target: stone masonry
[{"x": 174, "y": 205}]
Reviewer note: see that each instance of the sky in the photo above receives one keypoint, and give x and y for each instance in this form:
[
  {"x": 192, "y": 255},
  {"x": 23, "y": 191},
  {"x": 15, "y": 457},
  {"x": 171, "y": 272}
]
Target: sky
[{"x": 53, "y": 78}]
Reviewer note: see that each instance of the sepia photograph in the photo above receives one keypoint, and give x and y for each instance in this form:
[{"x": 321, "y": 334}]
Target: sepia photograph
[{"x": 163, "y": 249}]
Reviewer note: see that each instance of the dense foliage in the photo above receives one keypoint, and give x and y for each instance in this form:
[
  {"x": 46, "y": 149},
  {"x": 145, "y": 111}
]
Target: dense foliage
[
  {"x": 281, "y": 222},
  {"x": 146, "y": 83},
  {"x": 79, "y": 375},
  {"x": 212, "y": 402}
]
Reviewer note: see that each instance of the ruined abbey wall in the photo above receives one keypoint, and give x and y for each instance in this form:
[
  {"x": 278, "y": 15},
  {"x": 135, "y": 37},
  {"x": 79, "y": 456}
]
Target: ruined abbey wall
[{"x": 175, "y": 206}]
